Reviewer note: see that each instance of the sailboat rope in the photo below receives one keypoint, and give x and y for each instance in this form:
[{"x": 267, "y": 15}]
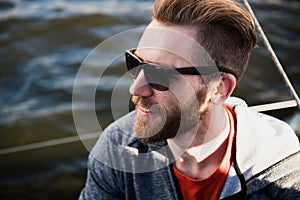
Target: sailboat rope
[{"x": 273, "y": 55}]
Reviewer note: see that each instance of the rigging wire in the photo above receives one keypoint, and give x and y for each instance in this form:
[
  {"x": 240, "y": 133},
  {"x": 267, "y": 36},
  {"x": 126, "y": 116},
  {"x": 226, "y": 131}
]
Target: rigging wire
[
  {"x": 273, "y": 55},
  {"x": 49, "y": 143}
]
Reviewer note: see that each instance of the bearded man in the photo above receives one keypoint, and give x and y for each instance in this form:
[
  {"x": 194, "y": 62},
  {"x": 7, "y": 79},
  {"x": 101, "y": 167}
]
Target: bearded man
[{"x": 187, "y": 138}]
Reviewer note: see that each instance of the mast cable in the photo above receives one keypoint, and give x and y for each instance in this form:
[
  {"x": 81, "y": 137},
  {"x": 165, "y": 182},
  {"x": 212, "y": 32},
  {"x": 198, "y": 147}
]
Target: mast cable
[{"x": 273, "y": 55}]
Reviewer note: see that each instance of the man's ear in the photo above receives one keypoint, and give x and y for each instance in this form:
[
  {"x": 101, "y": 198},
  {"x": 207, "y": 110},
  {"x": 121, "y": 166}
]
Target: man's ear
[{"x": 224, "y": 88}]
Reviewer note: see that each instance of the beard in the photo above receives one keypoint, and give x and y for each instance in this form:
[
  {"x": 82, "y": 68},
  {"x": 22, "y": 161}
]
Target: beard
[{"x": 167, "y": 123}]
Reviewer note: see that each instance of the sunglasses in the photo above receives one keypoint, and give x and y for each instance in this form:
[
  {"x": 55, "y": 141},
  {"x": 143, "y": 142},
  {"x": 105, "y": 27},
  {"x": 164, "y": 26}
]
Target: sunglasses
[{"x": 158, "y": 77}]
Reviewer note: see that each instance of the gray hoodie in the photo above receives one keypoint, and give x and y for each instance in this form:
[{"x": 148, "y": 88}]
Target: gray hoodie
[{"x": 266, "y": 162}]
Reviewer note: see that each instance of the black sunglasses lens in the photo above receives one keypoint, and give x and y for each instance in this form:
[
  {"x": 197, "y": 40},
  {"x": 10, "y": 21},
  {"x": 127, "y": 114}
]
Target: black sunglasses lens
[
  {"x": 156, "y": 77},
  {"x": 158, "y": 87},
  {"x": 133, "y": 65},
  {"x": 134, "y": 72}
]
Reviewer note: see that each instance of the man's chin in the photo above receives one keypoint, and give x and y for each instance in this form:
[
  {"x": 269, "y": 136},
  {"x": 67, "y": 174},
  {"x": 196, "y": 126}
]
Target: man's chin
[
  {"x": 148, "y": 135},
  {"x": 152, "y": 133},
  {"x": 149, "y": 141}
]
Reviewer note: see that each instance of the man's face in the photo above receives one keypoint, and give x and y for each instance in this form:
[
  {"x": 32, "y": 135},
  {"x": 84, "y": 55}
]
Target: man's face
[
  {"x": 166, "y": 116},
  {"x": 161, "y": 115}
]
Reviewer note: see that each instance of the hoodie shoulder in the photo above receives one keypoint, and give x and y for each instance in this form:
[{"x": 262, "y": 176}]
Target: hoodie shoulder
[{"x": 262, "y": 140}]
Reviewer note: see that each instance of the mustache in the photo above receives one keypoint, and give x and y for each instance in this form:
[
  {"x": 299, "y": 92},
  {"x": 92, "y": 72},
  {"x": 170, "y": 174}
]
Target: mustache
[{"x": 141, "y": 102}]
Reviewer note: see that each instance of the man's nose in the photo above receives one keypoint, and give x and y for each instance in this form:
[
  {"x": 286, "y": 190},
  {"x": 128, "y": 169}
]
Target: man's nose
[{"x": 140, "y": 87}]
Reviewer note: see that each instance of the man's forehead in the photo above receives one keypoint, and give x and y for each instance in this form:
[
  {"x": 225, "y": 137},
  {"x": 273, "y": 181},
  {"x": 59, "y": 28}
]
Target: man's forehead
[{"x": 176, "y": 39}]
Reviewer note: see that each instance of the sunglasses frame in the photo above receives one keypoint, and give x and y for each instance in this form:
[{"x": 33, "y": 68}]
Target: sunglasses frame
[{"x": 146, "y": 66}]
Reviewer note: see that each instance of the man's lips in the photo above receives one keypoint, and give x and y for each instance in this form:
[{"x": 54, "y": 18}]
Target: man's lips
[{"x": 143, "y": 111}]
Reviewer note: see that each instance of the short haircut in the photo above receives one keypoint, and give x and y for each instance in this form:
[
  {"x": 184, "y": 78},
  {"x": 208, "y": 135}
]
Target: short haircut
[{"x": 225, "y": 29}]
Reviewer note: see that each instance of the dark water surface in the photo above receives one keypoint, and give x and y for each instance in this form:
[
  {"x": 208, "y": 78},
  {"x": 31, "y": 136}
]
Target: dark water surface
[{"x": 42, "y": 46}]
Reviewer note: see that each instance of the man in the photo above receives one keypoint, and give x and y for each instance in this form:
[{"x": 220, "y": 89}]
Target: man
[{"x": 188, "y": 139}]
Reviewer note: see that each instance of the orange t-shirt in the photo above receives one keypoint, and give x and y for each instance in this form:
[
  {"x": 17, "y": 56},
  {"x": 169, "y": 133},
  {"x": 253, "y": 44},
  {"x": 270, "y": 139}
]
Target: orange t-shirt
[{"x": 209, "y": 188}]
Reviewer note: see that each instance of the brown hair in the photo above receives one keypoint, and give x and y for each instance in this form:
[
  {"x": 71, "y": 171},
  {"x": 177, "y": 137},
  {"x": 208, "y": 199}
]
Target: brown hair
[{"x": 226, "y": 30}]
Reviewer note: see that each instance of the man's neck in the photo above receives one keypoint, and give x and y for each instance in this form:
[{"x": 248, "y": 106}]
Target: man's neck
[{"x": 206, "y": 150}]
